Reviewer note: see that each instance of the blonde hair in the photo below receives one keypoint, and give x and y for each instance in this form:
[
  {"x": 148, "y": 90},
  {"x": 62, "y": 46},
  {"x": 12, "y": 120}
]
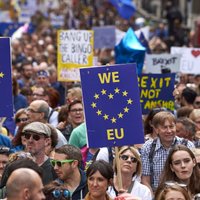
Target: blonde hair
[
  {"x": 194, "y": 114},
  {"x": 136, "y": 154}
]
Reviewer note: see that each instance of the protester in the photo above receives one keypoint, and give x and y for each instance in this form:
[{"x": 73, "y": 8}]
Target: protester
[
  {"x": 173, "y": 190},
  {"x": 67, "y": 162},
  {"x": 55, "y": 190},
  {"x": 24, "y": 184},
  {"x": 195, "y": 117},
  {"x": 22, "y": 160},
  {"x": 154, "y": 152},
  {"x": 37, "y": 136},
  {"x": 75, "y": 117},
  {"x": 38, "y": 110},
  {"x": 181, "y": 167},
  {"x": 99, "y": 178},
  {"x": 20, "y": 118},
  {"x": 148, "y": 129},
  {"x": 4, "y": 154},
  {"x": 130, "y": 167}
]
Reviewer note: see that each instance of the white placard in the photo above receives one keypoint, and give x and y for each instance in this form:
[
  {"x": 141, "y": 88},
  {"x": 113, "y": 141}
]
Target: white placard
[
  {"x": 190, "y": 59},
  {"x": 155, "y": 63}
]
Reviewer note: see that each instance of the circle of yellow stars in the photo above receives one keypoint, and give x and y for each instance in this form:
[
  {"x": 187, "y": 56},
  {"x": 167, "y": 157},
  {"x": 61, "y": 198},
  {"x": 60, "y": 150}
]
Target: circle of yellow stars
[{"x": 110, "y": 97}]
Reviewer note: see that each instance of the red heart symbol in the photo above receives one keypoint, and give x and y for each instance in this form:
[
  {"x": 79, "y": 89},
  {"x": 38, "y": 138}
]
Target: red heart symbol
[{"x": 195, "y": 53}]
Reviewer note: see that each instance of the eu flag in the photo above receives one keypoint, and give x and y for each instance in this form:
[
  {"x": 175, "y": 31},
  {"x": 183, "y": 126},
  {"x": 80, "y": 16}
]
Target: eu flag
[
  {"x": 112, "y": 105},
  {"x": 7, "y": 29},
  {"x": 6, "y": 102},
  {"x": 125, "y": 8},
  {"x": 130, "y": 50}
]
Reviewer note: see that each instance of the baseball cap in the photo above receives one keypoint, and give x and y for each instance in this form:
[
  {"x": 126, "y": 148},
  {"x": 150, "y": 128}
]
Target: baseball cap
[{"x": 37, "y": 127}]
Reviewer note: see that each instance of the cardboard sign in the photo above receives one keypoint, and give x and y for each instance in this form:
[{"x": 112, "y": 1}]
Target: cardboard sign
[
  {"x": 190, "y": 59},
  {"x": 163, "y": 62},
  {"x": 112, "y": 105},
  {"x": 75, "y": 50},
  {"x": 156, "y": 90}
]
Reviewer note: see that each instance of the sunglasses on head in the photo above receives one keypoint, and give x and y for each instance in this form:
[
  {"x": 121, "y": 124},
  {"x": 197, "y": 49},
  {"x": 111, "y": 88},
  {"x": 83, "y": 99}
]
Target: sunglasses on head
[
  {"x": 125, "y": 157},
  {"x": 173, "y": 183},
  {"x": 60, "y": 163},
  {"x": 34, "y": 136},
  {"x": 58, "y": 193}
]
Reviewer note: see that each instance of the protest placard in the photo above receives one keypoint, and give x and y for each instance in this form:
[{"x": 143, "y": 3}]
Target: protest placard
[
  {"x": 190, "y": 59},
  {"x": 104, "y": 37},
  {"x": 159, "y": 63},
  {"x": 75, "y": 50},
  {"x": 112, "y": 105},
  {"x": 6, "y": 100},
  {"x": 156, "y": 90}
]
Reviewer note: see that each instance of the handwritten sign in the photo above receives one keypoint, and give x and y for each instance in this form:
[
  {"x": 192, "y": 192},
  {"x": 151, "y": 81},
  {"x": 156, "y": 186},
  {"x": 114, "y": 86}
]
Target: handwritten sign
[
  {"x": 156, "y": 91},
  {"x": 6, "y": 100},
  {"x": 75, "y": 49},
  {"x": 190, "y": 59},
  {"x": 158, "y": 63},
  {"x": 112, "y": 105}
]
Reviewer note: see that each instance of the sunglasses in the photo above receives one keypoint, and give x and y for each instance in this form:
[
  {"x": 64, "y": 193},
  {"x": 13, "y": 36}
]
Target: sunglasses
[
  {"x": 58, "y": 193},
  {"x": 125, "y": 157},
  {"x": 21, "y": 120},
  {"x": 60, "y": 163},
  {"x": 172, "y": 183},
  {"x": 34, "y": 136}
]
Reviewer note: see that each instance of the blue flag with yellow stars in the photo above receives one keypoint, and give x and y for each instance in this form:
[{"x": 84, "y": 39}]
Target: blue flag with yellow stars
[
  {"x": 112, "y": 105},
  {"x": 130, "y": 50},
  {"x": 6, "y": 102}
]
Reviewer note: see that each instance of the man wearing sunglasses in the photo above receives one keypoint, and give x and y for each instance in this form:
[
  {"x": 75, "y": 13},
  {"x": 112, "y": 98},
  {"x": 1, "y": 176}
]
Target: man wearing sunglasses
[
  {"x": 37, "y": 137},
  {"x": 66, "y": 163}
]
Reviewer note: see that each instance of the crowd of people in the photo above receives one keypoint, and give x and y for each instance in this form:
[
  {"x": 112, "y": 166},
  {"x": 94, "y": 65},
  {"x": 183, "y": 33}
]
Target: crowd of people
[{"x": 43, "y": 148}]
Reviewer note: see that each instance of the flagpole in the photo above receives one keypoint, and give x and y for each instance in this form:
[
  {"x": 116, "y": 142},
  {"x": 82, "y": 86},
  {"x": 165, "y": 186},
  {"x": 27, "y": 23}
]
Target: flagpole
[{"x": 119, "y": 175}]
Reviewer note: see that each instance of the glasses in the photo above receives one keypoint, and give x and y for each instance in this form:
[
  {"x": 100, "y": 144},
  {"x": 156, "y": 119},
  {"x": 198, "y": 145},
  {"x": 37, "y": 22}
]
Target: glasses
[
  {"x": 58, "y": 193},
  {"x": 76, "y": 110},
  {"x": 34, "y": 136},
  {"x": 33, "y": 111},
  {"x": 60, "y": 163},
  {"x": 21, "y": 120},
  {"x": 125, "y": 157}
]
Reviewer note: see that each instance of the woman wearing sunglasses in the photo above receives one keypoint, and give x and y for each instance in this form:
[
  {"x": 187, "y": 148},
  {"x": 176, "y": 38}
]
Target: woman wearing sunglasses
[
  {"x": 99, "y": 178},
  {"x": 130, "y": 166},
  {"x": 181, "y": 167}
]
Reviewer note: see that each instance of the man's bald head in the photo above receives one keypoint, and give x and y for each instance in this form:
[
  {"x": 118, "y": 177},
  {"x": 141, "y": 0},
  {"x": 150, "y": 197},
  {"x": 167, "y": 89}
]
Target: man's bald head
[{"x": 20, "y": 180}]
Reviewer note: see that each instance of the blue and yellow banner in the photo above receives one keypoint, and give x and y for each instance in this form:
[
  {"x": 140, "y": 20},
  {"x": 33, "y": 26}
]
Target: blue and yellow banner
[
  {"x": 6, "y": 102},
  {"x": 112, "y": 105},
  {"x": 156, "y": 90}
]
